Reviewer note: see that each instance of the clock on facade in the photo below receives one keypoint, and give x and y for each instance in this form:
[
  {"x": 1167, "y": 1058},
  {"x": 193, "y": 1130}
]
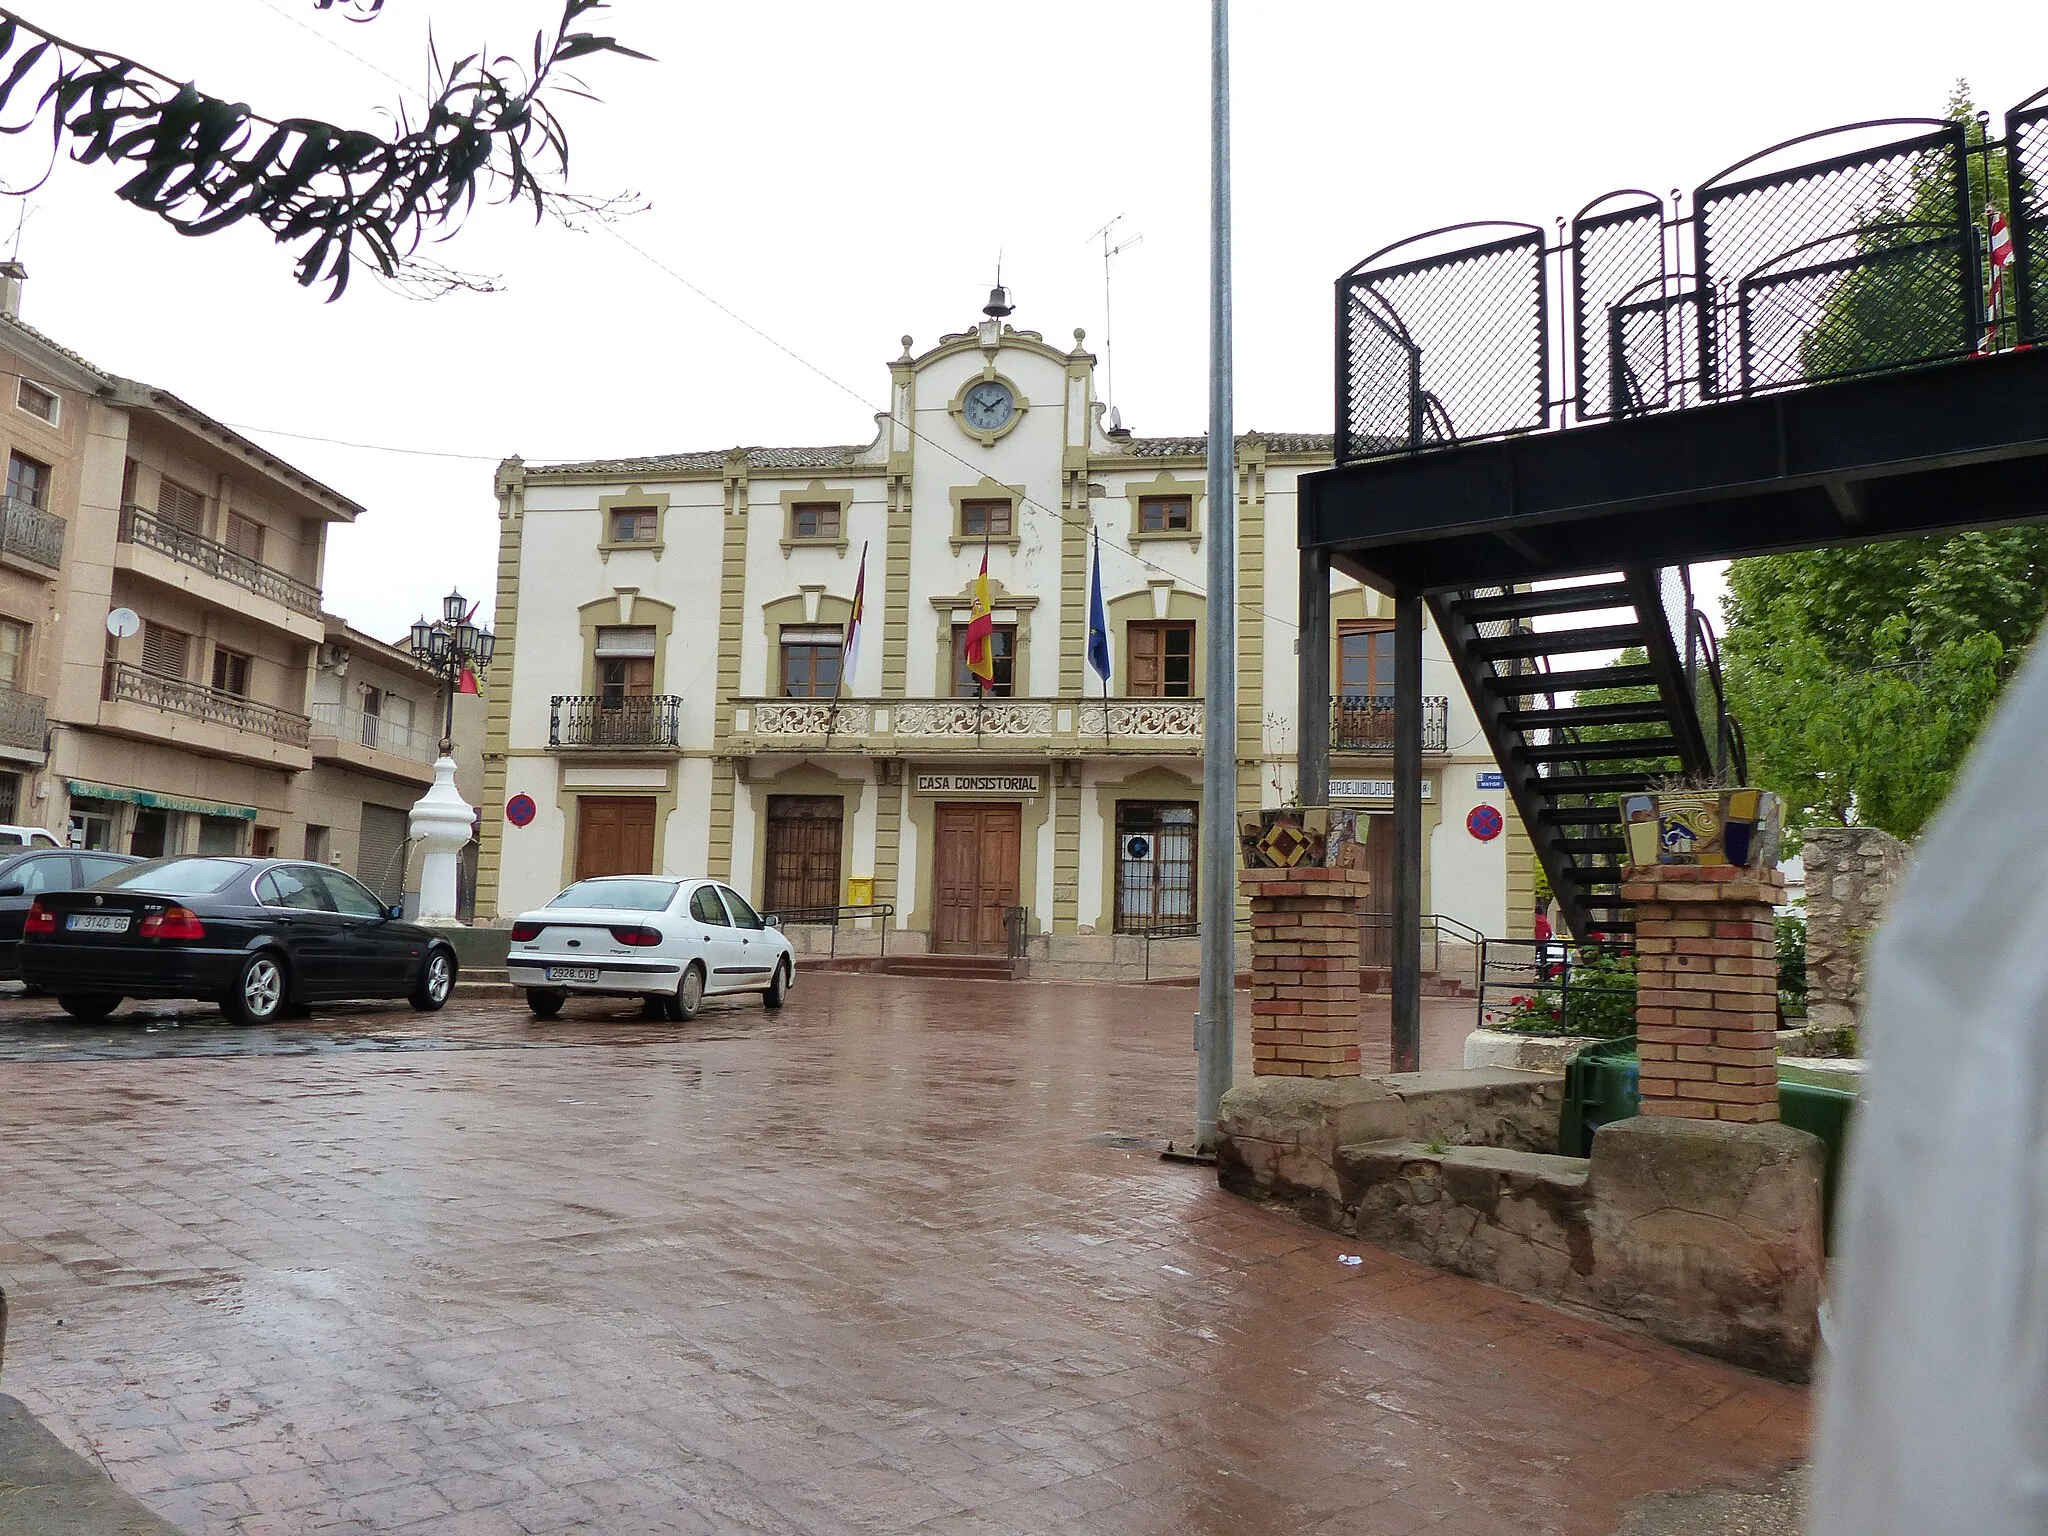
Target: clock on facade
[{"x": 988, "y": 406}]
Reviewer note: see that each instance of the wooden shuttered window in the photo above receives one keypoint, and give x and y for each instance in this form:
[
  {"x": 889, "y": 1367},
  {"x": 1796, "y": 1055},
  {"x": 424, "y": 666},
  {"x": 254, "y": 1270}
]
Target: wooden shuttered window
[
  {"x": 245, "y": 536},
  {"x": 165, "y": 651},
  {"x": 180, "y": 505}
]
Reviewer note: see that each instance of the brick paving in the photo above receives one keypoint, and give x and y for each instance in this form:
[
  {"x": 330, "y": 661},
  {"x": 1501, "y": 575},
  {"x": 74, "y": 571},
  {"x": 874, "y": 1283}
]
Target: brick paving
[{"x": 887, "y": 1261}]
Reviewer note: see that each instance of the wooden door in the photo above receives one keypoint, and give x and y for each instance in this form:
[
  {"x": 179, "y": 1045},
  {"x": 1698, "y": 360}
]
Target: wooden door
[
  {"x": 614, "y": 836},
  {"x": 974, "y": 876},
  {"x": 1376, "y": 935}
]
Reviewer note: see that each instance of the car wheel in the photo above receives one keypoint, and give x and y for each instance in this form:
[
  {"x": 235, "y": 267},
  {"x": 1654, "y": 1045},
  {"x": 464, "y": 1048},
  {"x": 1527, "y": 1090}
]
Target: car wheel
[
  {"x": 543, "y": 1004},
  {"x": 689, "y": 996},
  {"x": 88, "y": 1005},
  {"x": 262, "y": 991},
  {"x": 437, "y": 980},
  {"x": 778, "y": 989}
]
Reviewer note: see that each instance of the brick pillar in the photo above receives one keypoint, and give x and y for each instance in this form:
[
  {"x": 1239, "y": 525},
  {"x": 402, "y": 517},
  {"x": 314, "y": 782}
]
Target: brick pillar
[
  {"x": 1304, "y": 971},
  {"x": 1707, "y": 989}
]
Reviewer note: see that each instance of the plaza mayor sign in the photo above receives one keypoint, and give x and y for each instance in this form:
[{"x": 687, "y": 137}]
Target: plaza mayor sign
[{"x": 977, "y": 783}]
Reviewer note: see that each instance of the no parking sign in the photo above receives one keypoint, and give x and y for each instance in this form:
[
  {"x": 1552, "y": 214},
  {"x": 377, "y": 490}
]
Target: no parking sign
[
  {"x": 520, "y": 810},
  {"x": 1484, "y": 823}
]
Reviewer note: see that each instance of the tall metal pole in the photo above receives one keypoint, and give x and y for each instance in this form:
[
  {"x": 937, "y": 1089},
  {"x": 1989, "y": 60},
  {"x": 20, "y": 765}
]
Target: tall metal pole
[
  {"x": 1219, "y": 716},
  {"x": 1407, "y": 1042}
]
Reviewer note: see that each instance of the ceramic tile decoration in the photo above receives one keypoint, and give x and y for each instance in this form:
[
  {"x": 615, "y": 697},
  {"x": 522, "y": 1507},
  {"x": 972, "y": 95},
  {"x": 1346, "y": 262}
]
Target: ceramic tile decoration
[
  {"x": 1639, "y": 826},
  {"x": 1289, "y": 837},
  {"x": 1346, "y": 846},
  {"x": 1742, "y": 827}
]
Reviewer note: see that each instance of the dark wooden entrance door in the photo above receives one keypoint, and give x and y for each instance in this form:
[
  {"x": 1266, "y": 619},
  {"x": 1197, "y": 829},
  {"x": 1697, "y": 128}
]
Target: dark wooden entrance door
[
  {"x": 974, "y": 876},
  {"x": 614, "y": 835},
  {"x": 803, "y": 852},
  {"x": 1376, "y": 930}
]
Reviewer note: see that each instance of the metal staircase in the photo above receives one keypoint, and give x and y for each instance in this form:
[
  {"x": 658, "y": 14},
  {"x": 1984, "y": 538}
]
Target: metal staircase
[{"x": 1566, "y": 762}]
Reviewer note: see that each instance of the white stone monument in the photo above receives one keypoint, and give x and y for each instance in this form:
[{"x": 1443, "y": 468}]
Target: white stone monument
[{"x": 443, "y": 822}]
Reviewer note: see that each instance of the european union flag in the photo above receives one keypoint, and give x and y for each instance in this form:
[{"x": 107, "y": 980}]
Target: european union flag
[{"x": 1098, "y": 621}]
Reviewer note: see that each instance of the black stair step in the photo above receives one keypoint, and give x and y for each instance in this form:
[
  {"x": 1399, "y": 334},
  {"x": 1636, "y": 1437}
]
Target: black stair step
[
  {"x": 1528, "y": 605},
  {"x": 1581, "y": 816},
  {"x": 1634, "y": 676},
  {"x": 1572, "y": 715},
  {"x": 1560, "y": 642},
  {"x": 1599, "y": 751},
  {"x": 1591, "y": 784},
  {"x": 1579, "y": 847}
]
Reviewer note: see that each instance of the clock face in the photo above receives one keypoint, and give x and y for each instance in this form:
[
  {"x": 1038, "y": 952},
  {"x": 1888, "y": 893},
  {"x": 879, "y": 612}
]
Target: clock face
[{"x": 988, "y": 406}]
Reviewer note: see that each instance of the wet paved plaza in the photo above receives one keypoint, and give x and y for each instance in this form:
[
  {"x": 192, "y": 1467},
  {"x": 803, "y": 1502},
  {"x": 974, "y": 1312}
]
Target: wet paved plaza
[{"x": 898, "y": 1258}]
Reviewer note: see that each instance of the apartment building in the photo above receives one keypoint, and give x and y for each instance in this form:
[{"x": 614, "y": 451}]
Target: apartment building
[
  {"x": 673, "y": 689},
  {"x": 168, "y": 680}
]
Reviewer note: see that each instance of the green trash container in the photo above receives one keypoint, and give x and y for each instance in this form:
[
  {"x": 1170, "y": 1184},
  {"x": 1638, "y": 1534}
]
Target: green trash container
[{"x": 1602, "y": 1084}]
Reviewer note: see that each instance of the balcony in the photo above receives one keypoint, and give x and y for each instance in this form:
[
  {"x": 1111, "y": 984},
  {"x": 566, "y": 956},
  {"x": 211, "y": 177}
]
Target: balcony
[
  {"x": 150, "y": 705},
  {"x": 904, "y": 726},
  {"x": 1363, "y": 722},
  {"x": 631, "y": 725},
  {"x": 29, "y": 533},
  {"x": 373, "y": 744},
  {"x": 145, "y": 530},
  {"x": 22, "y": 726}
]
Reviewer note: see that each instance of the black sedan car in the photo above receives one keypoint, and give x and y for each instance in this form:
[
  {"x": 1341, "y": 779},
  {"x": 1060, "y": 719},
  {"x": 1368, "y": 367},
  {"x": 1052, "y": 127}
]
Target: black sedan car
[
  {"x": 25, "y": 876},
  {"x": 257, "y": 936}
]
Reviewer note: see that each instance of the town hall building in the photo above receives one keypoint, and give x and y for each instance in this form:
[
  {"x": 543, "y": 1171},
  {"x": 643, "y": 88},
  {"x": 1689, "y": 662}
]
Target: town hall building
[{"x": 672, "y": 692}]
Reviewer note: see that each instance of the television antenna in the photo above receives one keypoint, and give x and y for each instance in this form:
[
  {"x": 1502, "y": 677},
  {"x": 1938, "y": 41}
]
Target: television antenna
[{"x": 1111, "y": 246}]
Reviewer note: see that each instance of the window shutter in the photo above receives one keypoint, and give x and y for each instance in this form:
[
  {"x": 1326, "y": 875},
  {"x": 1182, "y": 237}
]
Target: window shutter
[
  {"x": 1144, "y": 680},
  {"x": 245, "y": 536},
  {"x": 163, "y": 650},
  {"x": 175, "y": 504},
  {"x": 626, "y": 640}
]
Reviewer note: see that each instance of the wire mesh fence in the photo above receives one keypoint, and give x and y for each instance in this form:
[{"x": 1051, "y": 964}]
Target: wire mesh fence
[{"x": 1852, "y": 251}]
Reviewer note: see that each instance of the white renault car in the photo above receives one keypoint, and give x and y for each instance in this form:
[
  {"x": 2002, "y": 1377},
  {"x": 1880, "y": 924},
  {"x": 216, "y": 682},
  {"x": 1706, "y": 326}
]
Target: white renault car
[{"x": 672, "y": 942}]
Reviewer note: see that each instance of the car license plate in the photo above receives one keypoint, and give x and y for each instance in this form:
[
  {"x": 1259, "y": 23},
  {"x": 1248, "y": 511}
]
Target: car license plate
[
  {"x": 97, "y": 922},
  {"x": 572, "y": 973}
]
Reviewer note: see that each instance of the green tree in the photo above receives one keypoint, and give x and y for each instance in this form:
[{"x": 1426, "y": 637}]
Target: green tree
[{"x": 1862, "y": 675}]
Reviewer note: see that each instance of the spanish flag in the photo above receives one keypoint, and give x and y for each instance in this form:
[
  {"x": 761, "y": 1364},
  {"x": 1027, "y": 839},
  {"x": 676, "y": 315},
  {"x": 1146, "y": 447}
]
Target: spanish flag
[{"x": 981, "y": 630}]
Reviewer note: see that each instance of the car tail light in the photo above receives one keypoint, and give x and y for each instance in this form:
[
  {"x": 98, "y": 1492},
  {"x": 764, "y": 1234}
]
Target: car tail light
[
  {"x": 173, "y": 923},
  {"x": 525, "y": 933},
  {"x": 40, "y": 920},
  {"x": 639, "y": 938}
]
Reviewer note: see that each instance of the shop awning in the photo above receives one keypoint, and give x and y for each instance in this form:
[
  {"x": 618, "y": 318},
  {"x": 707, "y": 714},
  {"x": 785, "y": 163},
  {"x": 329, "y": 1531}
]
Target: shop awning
[{"x": 80, "y": 789}]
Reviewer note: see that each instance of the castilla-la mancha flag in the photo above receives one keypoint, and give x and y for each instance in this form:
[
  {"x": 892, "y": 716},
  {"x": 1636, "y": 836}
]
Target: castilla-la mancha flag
[{"x": 981, "y": 629}]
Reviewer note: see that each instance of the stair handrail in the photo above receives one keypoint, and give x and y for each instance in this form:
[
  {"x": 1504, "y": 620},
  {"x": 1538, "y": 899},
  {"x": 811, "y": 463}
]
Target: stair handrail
[{"x": 1731, "y": 753}]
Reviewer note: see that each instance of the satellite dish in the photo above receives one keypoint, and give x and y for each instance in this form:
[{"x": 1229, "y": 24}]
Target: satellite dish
[{"x": 122, "y": 623}]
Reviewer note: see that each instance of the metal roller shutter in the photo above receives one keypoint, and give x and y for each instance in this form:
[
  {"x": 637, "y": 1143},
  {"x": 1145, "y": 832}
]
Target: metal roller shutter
[{"x": 380, "y": 851}]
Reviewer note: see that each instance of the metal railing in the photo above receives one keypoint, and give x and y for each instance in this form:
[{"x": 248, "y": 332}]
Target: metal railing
[
  {"x": 592, "y": 720},
  {"x": 132, "y": 684},
  {"x": 1573, "y": 987},
  {"x": 1851, "y": 251},
  {"x": 1365, "y": 723},
  {"x": 1450, "y": 948},
  {"x": 1693, "y": 636},
  {"x": 376, "y": 732},
  {"x": 32, "y": 533},
  {"x": 1016, "y": 931},
  {"x": 833, "y": 918},
  {"x": 24, "y": 720},
  {"x": 143, "y": 527},
  {"x": 926, "y": 723}
]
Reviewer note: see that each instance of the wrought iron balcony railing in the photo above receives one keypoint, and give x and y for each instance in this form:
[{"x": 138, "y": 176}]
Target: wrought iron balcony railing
[
  {"x": 924, "y": 724},
  {"x": 139, "y": 526},
  {"x": 32, "y": 533},
  {"x": 23, "y": 721},
  {"x": 376, "y": 732},
  {"x": 1850, "y": 251},
  {"x": 591, "y": 720},
  {"x": 1364, "y": 722},
  {"x": 138, "y": 685}
]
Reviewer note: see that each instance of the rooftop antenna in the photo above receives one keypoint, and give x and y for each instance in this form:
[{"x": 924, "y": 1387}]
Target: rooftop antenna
[
  {"x": 998, "y": 304},
  {"x": 1111, "y": 247},
  {"x": 20, "y": 220}
]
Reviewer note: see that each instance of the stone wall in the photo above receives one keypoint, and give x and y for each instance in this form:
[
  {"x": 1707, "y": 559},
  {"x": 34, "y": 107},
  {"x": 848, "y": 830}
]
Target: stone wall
[
  {"x": 1704, "y": 1233},
  {"x": 1851, "y": 873}
]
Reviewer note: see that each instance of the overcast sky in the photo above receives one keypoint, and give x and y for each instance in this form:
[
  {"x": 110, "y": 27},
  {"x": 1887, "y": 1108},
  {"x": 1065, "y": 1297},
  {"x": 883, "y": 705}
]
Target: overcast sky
[{"x": 840, "y": 175}]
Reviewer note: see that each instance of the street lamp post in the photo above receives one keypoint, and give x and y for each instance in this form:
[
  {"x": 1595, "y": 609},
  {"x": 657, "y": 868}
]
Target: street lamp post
[{"x": 442, "y": 820}]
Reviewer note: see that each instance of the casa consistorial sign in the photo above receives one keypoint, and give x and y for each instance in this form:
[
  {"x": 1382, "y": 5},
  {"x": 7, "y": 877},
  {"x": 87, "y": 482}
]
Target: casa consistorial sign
[{"x": 977, "y": 783}]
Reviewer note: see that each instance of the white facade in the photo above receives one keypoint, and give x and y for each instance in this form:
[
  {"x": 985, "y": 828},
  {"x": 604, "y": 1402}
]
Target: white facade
[{"x": 726, "y": 575}]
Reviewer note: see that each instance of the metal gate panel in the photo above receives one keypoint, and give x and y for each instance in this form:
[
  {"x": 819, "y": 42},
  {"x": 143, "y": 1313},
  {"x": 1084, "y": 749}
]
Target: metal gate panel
[{"x": 380, "y": 851}]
